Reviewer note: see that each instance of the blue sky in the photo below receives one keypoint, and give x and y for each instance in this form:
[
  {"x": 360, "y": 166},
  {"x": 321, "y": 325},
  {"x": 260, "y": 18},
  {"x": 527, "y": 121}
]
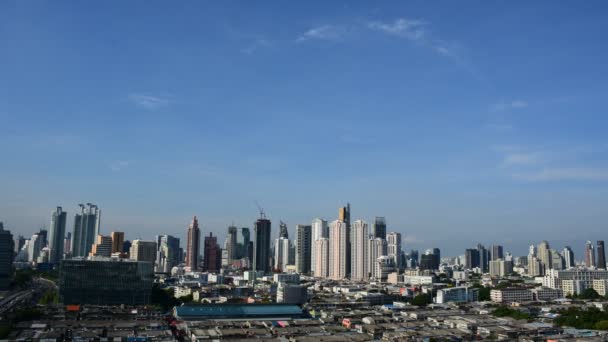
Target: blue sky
[{"x": 459, "y": 122}]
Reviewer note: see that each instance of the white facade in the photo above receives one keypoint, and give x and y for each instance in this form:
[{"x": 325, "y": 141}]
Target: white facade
[
  {"x": 460, "y": 294},
  {"x": 573, "y": 281},
  {"x": 321, "y": 258},
  {"x": 511, "y": 295},
  {"x": 319, "y": 230},
  {"x": 393, "y": 241},
  {"x": 376, "y": 248},
  {"x": 384, "y": 266},
  {"x": 338, "y": 248},
  {"x": 359, "y": 238},
  {"x": 282, "y": 251}
]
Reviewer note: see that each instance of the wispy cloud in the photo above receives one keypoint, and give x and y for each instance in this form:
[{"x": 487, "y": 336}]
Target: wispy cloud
[
  {"x": 257, "y": 44},
  {"x": 564, "y": 174},
  {"x": 520, "y": 158},
  {"x": 149, "y": 101},
  {"x": 324, "y": 32},
  {"x": 509, "y": 105},
  {"x": 119, "y": 165},
  {"x": 411, "y": 29}
]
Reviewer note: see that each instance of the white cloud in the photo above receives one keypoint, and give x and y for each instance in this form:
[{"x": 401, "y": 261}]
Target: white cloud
[
  {"x": 515, "y": 104},
  {"x": 414, "y": 30},
  {"x": 325, "y": 32},
  {"x": 148, "y": 101},
  {"x": 513, "y": 159},
  {"x": 564, "y": 174},
  {"x": 119, "y": 165}
]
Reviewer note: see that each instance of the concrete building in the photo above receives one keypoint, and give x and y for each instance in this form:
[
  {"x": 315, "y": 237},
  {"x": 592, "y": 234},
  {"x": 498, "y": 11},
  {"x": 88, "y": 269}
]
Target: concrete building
[
  {"x": 344, "y": 216},
  {"x": 118, "y": 240},
  {"x": 168, "y": 253},
  {"x": 102, "y": 246},
  {"x": 512, "y": 295},
  {"x": 231, "y": 245},
  {"x": 359, "y": 239},
  {"x": 320, "y": 229},
  {"x": 86, "y": 228},
  {"x": 379, "y": 228},
  {"x": 303, "y": 248},
  {"x": 496, "y": 252},
  {"x": 573, "y": 281},
  {"x": 601, "y": 255},
  {"x": 338, "y": 249},
  {"x": 212, "y": 254},
  {"x": 393, "y": 248},
  {"x": 7, "y": 246},
  {"x": 376, "y": 248},
  {"x": 282, "y": 253},
  {"x": 568, "y": 255},
  {"x": 501, "y": 268},
  {"x": 600, "y": 286},
  {"x": 193, "y": 248},
  {"x": 292, "y": 294},
  {"x": 143, "y": 251},
  {"x": 543, "y": 254},
  {"x": 589, "y": 255},
  {"x": 57, "y": 235},
  {"x": 383, "y": 267},
  {"x": 286, "y": 278},
  {"x": 547, "y": 293},
  {"x": 460, "y": 294},
  {"x": 322, "y": 258}
]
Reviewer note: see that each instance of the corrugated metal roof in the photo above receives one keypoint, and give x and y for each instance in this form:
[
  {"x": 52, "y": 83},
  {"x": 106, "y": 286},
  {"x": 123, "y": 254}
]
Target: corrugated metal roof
[{"x": 237, "y": 310}]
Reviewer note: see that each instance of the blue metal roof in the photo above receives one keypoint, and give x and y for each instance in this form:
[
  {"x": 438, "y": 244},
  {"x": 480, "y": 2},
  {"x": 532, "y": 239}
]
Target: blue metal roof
[{"x": 237, "y": 310}]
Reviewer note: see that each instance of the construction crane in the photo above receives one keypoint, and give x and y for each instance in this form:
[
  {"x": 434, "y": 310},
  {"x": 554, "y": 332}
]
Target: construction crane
[{"x": 262, "y": 213}]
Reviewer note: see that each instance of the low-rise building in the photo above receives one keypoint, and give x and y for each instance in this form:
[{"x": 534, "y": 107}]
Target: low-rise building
[
  {"x": 461, "y": 294},
  {"x": 546, "y": 293},
  {"x": 511, "y": 295},
  {"x": 292, "y": 294}
]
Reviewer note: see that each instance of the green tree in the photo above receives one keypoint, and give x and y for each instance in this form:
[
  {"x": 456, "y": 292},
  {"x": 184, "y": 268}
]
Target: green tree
[
  {"x": 601, "y": 325},
  {"x": 421, "y": 300},
  {"x": 589, "y": 294},
  {"x": 49, "y": 297}
]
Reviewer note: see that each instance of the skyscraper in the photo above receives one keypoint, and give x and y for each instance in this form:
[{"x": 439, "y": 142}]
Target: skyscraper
[
  {"x": 245, "y": 246},
  {"x": 484, "y": 256},
  {"x": 57, "y": 236},
  {"x": 568, "y": 255},
  {"x": 194, "y": 244},
  {"x": 379, "y": 228},
  {"x": 338, "y": 249},
  {"x": 7, "y": 246},
  {"x": 231, "y": 244},
  {"x": 601, "y": 255},
  {"x": 67, "y": 244},
  {"x": 283, "y": 232},
  {"x": 35, "y": 247},
  {"x": 143, "y": 251},
  {"x": 496, "y": 252},
  {"x": 118, "y": 240},
  {"x": 86, "y": 228},
  {"x": 393, "y": 241},
  {"x": 282, "y": 251},
  {"x": 303, "y": 248},
  {"x": 213, "y": 254},
  {"x": 543, "y": 254},
  {"x": 322, "y": 258},
  {"x": 168, "y": 253},
  {"x": 376, "y": 249},
  {"x": 589, "y": 255},
  {"x": 319, "y": 230},
  {"x": 471, "y": 258},
  {"x": 359, "y": 240},
  {"x": 102, "y": 246},
  {"x": 261, "y": 246},
  {"x": 344, "y": 216}
]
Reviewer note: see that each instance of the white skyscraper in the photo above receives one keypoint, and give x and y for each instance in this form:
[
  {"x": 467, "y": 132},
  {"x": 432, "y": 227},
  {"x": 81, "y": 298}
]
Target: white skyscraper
[
  {"x": 376, "y": 248},
  {"x": 359, "y": 237},
  {"x": 282, "y": 253},
  {"x": 393, "y": 241},
  {"x": 322, "y": 258},
  {"x": 338, "y": 249},
  {"x": 319, "y": 230}
]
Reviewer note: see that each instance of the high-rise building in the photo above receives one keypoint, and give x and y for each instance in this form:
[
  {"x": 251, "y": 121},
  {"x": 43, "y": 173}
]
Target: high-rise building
[
  {"x": 118, "y": 240},
  {"x": 543, "y": 254},
  {"x": 282, "y": 253},
  {"x": 261, "y": 246},
  {"x": 57, "y": 236},
  {"x": 303, "y": 248},
  {"x": 496, "y": 252},
  {"x": 67, "y": 244},
  {"x": 320, "y": 229},
  {"x": 393, "y": 241},
  {"x": 7, "y": 246},
  {"x": 143, "y": 251},
  {"x": 213, "y": 254},
  {"x": 283, "y": 232},
  {"x": 194, "y": 245},
  {"x": 601, "y": 255},
  {"x": 102, "y": 246},
  {"x": 344, "y": 216},
  {"x": 589, "y": 255},
  {"x": 384, "y": 265},
  {"x": 43, "y": 235},
  {"x": 376, "y": 249},
  {"x": 568, "y": 255},
  {"x": 338, "y": 249},
  {"x": 35, "y": 247},
  {"x": 168, "y": 254},
  {"x": 245, "y": 245},
  {"x": 126, "y": 247},
  {"x": 379, "y": 228},
  {"x": 322, "y": 258},
  {"x": 501, "y": 268},
  {"x": 412, "y": 259},
  {"x": 430, "y": 259},
  {"x": 471, "y": 258},
  {"x": 232, "y": 245},
  {"x": 557, "y": 261},
  {"x": 484, "y": 257},
  {"x": 86, "y": 228},
  {"x": 359, "y": 238}
]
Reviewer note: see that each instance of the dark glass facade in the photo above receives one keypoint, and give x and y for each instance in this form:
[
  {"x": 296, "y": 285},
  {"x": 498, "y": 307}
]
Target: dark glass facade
[{"x": 105, "y": 282}]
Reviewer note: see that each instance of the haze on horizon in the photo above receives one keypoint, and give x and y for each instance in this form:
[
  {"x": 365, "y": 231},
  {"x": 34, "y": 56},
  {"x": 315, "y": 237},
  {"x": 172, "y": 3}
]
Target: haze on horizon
[{"x": 460, "y": 124}]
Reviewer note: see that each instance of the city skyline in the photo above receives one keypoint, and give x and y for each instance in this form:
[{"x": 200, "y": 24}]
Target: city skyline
[{"x": 410, "y": 112}]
